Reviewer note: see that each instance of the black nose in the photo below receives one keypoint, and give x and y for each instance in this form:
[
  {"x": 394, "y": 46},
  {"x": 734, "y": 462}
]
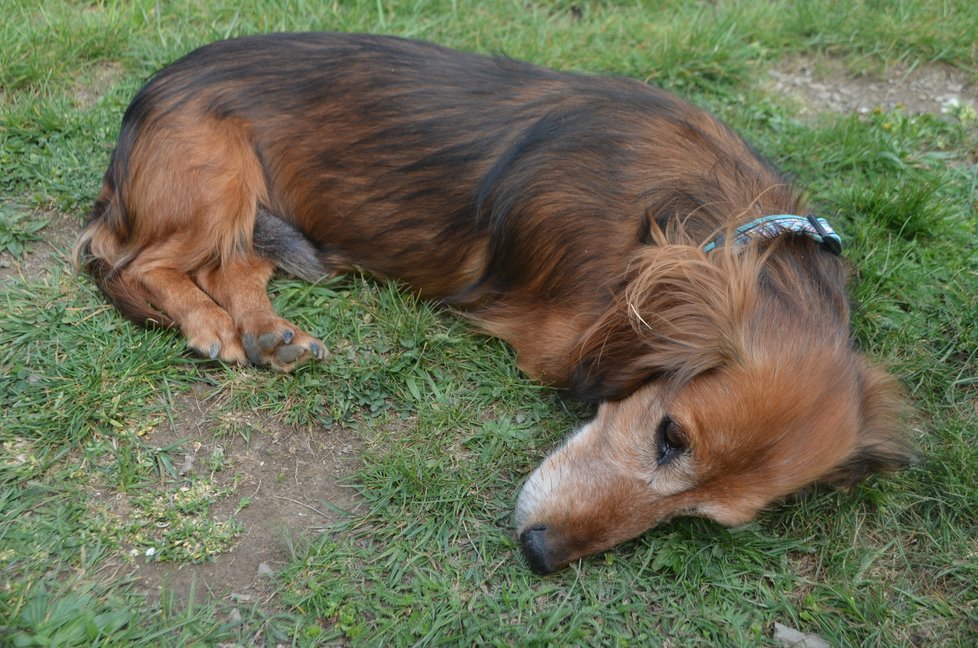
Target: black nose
[{"x": 534, "y": 541}]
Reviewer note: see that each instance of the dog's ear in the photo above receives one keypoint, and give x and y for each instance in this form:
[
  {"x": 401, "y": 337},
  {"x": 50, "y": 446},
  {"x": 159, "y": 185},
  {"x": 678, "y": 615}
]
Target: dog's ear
[
  {"x": 677, "y": 314},
  {"x": 592, "y": 384},
  {"x": 882, "y": 445}
]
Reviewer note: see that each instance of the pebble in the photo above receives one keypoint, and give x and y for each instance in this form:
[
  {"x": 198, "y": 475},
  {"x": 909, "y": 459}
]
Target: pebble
[
  {"x": 791, "y": 638},
  {"x": 264, "y": 571}
]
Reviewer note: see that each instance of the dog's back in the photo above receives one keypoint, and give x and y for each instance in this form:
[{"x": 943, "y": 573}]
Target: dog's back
[{"x": 510, "y": 191}]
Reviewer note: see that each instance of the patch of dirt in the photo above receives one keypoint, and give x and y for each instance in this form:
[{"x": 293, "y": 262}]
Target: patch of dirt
[
  {"x": 826, "y": 85},
  {"x": 40, "y": 257},
  {"x": 88, "y": 91},
  {"x": 293, "y": 481}
]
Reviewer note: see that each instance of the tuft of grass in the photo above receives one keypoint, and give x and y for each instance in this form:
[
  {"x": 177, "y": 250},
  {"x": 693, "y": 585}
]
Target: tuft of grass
[{"x": 17, "y": 228}]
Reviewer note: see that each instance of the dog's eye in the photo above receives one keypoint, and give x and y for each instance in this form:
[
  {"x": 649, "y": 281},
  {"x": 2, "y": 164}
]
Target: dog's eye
[{"x": 670, "y": 441}]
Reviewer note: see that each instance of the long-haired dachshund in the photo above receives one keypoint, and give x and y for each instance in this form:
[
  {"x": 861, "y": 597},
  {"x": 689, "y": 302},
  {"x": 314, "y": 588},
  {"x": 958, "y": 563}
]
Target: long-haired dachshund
[{"x": 631, "y": 248}]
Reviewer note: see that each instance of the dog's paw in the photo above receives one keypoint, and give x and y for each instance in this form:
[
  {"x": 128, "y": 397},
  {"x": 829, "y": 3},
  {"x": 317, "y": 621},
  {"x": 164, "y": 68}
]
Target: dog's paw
[
  {"x": 283, "y": 348},
  {"x": 213, "y": 335}
]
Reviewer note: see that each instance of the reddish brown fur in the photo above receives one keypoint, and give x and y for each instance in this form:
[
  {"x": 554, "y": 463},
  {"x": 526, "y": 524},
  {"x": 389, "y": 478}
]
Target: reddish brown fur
[{"x": 562, "y": 213}]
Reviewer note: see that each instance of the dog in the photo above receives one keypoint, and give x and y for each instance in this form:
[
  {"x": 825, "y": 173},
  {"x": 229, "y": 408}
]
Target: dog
[{"x": 630, "y": 247}]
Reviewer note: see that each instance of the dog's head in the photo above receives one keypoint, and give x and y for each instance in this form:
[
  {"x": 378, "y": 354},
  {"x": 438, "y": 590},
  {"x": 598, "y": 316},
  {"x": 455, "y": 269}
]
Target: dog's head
[{"x": 756, "y": 393}]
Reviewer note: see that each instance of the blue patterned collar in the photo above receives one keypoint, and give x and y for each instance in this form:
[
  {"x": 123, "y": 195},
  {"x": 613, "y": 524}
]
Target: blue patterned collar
[{"x": 771, "y": 226}]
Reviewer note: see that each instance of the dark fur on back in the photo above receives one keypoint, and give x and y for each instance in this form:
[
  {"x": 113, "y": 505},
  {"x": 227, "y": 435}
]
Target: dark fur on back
[{"x": 534, "y": 193}]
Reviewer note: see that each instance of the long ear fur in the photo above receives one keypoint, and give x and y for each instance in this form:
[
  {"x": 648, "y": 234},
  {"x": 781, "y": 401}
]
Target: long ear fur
[
  {"x": 685, "y": 306},
  {"x": 882, "y": 445}
]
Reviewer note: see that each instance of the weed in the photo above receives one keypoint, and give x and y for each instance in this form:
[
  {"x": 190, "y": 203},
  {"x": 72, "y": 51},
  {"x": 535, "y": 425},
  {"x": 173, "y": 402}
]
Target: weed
[{"x": 18, "y": 228}]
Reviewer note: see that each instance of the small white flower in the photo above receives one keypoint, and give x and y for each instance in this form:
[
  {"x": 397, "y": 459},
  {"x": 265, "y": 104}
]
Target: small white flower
[
  {"x": 951, "y": 106},
  {"x": 963, "y": 111},
  {"x": 151, "y": 551}
]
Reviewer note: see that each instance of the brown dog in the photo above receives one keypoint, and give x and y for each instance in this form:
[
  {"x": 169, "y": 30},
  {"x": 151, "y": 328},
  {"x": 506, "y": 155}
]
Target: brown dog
[{"x": 588, "y": 221}]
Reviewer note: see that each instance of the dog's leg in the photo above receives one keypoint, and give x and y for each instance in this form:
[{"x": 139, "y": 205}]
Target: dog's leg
[
  {"x": 208, "y": 328},
  {"x": 193, "y": 187},
  {"x": 239, "y": 286}
]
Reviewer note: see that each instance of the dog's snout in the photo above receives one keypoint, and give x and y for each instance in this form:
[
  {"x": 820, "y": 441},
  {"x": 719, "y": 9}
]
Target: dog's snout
[{"x": 534, "y": 541}]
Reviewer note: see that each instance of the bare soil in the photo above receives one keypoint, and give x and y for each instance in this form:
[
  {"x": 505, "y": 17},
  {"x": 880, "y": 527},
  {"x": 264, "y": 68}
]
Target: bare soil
[
  {"x": 296, "y": 483},
  {"x": 88, "y": 91},
  {"x": 826, "y": 85},
  {"x": 40, "y": 257}
]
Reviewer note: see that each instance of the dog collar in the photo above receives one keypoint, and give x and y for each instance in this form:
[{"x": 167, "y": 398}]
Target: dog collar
[{"x": 771, "y": 226}]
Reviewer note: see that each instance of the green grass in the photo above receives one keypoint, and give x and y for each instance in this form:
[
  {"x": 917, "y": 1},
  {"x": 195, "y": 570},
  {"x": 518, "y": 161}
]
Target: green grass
[
  {"x": 448, "y": 426},
  {"x": 18, "y": 228}
]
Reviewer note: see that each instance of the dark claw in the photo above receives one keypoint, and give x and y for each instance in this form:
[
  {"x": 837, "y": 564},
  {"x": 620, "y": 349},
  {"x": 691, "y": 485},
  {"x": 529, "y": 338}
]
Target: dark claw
[
  {"x": 268, "y": 341},
  {"x": 317, "y": 351},
  {"x": 289, "y": 353},
  {"x": 251, "y": 349},
  {"x": 287, "y": 336}
]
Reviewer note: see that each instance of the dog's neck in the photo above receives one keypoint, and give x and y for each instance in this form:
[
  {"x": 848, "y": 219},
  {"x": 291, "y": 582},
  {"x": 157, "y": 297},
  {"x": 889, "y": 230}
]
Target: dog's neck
[{"x": 766, "y": 227}]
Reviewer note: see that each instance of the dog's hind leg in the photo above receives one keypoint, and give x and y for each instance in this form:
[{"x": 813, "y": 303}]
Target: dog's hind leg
[
  {"x": 239, "y": 286},
  {"x": 175, "y": 243},
  {"x": 225, "y": 313},
  {"x": 207, "y": 327}
]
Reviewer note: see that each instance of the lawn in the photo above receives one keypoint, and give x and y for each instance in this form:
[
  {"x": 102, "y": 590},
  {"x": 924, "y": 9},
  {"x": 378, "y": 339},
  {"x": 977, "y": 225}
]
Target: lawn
[{"x": 148, "y": 497}]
